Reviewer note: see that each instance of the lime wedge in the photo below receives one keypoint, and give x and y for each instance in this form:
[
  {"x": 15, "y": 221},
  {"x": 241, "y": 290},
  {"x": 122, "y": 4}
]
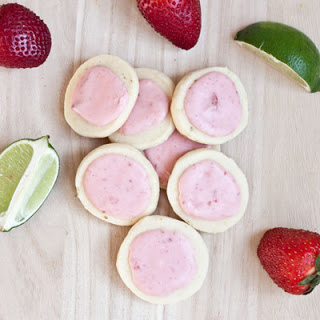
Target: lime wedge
[
  {"x": 28, "y": 172},
  {"x": 287, "y": 49}
]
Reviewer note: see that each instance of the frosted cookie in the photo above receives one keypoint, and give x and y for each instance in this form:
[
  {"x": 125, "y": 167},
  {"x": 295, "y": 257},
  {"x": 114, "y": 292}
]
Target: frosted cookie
[
  {"x": 149, "y": 123},
  {"x": 210, "y": 106},
  {"x": 208, "y": 190},
  {"x": 164, "y": 156},
  {"x": 117, "y": 184},
  {"x": 163, "y": 260},
  {"x": 100, "y": 96}
]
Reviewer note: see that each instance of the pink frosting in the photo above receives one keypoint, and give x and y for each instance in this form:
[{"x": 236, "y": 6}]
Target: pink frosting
[
  {"x": 117, "y": 186},
  {"x": 151, "y": 108},
  {"x": 207, "y": 191},
  {"x": 213, "y": 106},
  {"x": 162, "y": 261},
  {"x": 99, "y": 96},
  {"x": 164, "y": 156}
]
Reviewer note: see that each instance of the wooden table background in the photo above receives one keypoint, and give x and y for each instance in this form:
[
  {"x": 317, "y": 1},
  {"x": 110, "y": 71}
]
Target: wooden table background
[{"x": 61, "y": 264}]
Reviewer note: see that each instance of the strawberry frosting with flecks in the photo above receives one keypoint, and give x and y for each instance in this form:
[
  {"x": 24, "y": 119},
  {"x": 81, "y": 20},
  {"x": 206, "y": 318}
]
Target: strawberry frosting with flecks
[
  {"x": 150, "y": 109},
  {"x": 162, "y": 261},
  {"x": 117, "y": 186},
  {"x": 208, "y": 192},
  {"x": 99, "y": 96},
  {"x": 212, "y": 105}
]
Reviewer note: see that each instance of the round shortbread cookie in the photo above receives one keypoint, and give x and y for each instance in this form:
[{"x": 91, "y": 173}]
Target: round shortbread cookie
[
  {"x": 155, "y": 135},
  {"x": 129, "y": 80},
  {"x": 171, "y": 254},
  {"x": 182, "y": 121},
  {"x": 211, "y": 208},
  {"x": 164, "y": 156},
  {"x": 110, "y": 180}
]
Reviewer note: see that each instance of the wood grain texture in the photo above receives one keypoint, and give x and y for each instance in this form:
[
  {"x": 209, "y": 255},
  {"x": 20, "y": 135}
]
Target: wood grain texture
[{"x": 61, "y": 264}]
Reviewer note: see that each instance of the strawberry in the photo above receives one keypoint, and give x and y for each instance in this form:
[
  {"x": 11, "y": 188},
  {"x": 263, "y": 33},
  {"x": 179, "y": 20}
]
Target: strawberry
[
  {"x": 177, "y": 20},
  {"x": 291, "y": 257},
  {"x": 25, "y": 40}
]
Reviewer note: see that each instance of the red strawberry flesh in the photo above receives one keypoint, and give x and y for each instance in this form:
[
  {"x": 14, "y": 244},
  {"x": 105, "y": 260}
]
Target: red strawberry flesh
[
  {"x": 177, "y": 20},
  {"x": 25, "y": 40},
  {"x": 288, "y": 256}
]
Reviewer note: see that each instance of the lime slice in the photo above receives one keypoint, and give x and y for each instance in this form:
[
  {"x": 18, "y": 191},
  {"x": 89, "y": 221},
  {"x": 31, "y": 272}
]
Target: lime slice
[
  {"x": 287, "y": 49},
  {"x": 28, "y": 172}
]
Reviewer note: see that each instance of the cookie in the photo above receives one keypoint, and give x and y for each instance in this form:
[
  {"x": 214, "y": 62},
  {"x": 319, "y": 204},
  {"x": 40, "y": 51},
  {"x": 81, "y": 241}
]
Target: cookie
[
  {"x": 100, "y": 96},
  {"x": 164, "y": 156},
  {"x": 208, "y": 190},
  {"x": 163, "y": 260},
  {"x": 149, "y": 123},
  {"x": 117, "y": 184},
  {"x": 210, "y": 106}
]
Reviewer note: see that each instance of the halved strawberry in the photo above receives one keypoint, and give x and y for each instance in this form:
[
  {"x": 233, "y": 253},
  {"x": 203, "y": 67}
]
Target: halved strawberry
[
  {"x": 25, "y": 40},
  {"x": 177, "y": 20},
  {"x": 291, "y": 257}
]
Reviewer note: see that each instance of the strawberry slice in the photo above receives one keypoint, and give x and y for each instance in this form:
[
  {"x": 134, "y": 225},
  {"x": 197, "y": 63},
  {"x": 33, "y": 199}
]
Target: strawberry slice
[
  {"x": 177, "y": 20},
  {"x": 291, "y": 257},
  {"x": 25, "y": 40}
]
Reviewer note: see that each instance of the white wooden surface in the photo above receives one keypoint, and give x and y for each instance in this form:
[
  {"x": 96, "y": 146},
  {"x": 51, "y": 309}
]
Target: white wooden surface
[{"x": 61, "y": 264}]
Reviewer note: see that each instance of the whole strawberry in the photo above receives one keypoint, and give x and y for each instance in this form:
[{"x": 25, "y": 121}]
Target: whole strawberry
[
  {"x": 25, "y": 40},
  {"x": 177, "y": 20},
  {"x": 291, "y": 257}
]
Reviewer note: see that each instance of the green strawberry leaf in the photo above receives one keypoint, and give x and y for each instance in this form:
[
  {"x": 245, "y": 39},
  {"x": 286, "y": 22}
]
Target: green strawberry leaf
[
  {"x": 308, "y": 291},
  {"x": 315, "y": 282},
  {"x": 308, "y": 280},
  {"x": 318, "y": 263}
]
